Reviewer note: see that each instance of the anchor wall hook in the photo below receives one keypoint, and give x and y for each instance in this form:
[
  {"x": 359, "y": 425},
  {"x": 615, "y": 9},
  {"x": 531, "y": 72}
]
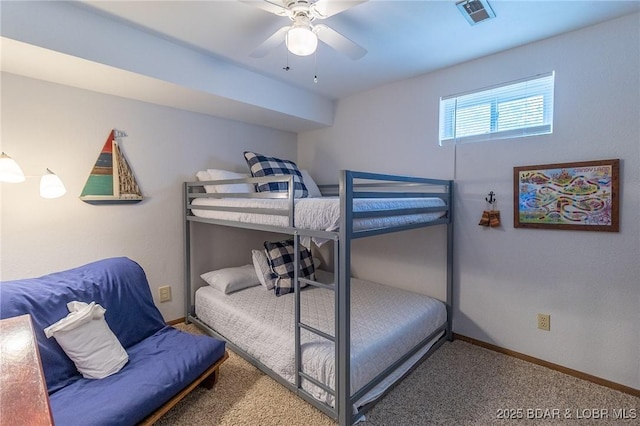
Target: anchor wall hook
[{"x": 491, "y": 198}]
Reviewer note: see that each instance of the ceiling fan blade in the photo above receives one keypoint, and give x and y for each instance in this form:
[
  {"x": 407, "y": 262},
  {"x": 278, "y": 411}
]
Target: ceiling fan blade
[
  {"x": 272, "y": 6},
  {"x": 326, "y": 8},
  {"x": 339, "y": 42},
  {"x": 275, "y": 40}
]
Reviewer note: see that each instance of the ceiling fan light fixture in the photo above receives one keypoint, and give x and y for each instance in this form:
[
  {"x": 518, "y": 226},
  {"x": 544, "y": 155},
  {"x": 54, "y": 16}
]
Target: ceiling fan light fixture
[{"x": 301, "y": 40}]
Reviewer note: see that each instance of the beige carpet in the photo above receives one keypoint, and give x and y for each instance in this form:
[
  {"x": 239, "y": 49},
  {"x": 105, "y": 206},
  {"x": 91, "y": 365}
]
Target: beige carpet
[{"x": 460, "y": 384}]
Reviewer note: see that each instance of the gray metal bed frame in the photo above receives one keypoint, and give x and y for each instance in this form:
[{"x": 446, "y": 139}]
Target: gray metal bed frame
[{"x": 380, "y": 186}]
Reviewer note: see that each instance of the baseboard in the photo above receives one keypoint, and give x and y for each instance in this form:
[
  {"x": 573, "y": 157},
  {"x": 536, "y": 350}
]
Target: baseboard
[
  {"x": 175, "y": 321},
  {"x": 565, "y": 370}
]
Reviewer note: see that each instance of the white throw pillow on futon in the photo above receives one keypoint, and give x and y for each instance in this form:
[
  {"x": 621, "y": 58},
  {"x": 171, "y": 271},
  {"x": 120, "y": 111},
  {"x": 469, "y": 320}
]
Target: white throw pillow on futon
[
  {"x": 228, "y": 280},
  {"x": 263, "y": 270},
  {"x": 217, "y": 174},
  {"x": 86, "y": 338},
  {"x": 311, "y": 185}
]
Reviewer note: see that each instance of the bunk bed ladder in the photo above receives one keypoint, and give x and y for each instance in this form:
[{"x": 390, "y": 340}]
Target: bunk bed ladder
[
  {"x": 342, "y": 288},
  {"x": 342, "y": 326},
  {"x": 299, "y": 325}
]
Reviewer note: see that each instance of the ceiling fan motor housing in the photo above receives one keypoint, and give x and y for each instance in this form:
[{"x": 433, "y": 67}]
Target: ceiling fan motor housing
[{"x": 297, "y": 8}]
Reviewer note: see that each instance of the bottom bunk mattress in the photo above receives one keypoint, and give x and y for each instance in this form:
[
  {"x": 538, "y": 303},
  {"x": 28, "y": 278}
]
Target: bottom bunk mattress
[{"x": 386, "y": 323}]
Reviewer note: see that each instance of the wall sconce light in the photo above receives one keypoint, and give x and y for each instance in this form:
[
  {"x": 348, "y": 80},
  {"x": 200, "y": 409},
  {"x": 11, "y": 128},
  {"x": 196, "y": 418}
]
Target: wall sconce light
[
  {"x": 9, "y": 170},
  {"x": 50, "y": 184}
]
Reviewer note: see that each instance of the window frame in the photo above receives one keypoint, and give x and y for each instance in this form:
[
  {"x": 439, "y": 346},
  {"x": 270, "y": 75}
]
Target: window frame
[{"x": 538, "y": 85}]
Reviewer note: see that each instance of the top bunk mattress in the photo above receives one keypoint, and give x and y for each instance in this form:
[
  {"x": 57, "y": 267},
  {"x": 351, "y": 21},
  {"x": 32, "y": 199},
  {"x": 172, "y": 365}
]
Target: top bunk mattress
[
  {"x": 386, "y": 323},
  {"x": 323, "y": 213}
]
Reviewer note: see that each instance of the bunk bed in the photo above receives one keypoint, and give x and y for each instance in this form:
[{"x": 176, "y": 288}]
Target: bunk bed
[{"x": 334, "y": 351}]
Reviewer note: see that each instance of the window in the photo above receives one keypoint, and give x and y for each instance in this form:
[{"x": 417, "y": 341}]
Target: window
[{"x": 512, "y": 110}]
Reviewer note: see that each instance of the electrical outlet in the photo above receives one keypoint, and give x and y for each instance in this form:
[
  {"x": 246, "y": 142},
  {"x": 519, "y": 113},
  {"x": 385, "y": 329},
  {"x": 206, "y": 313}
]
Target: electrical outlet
[
  {"x": 165, "y": 293},
  {"x": 544, "y": 322}
]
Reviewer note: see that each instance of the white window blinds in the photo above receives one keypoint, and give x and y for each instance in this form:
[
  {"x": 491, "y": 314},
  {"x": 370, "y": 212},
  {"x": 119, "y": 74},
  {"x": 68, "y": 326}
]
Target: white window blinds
[{"x": 511, "y": 110}]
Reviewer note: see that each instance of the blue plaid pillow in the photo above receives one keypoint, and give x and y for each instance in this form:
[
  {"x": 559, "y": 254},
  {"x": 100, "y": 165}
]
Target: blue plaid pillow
[
  {"x": 281, "y": 260},
  {"x": 261, "y": 165}
]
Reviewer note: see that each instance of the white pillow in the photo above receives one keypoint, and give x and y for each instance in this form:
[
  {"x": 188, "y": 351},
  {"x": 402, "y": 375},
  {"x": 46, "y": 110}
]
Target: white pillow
[
  {"x": 88, "y": 341},
  {"x": 263, "y": 270},
  {"x": 228, "y": 280},
  {"x": 311, "y": 185},
  {"x": 203, "y": 176},
  {"x": 217, "y": 174}
]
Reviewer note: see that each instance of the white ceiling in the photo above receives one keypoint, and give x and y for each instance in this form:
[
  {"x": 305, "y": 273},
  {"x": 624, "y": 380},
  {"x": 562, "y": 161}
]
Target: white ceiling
[
  {"x": 194, "y": 55},
  {"x": 403, "y": 38}
]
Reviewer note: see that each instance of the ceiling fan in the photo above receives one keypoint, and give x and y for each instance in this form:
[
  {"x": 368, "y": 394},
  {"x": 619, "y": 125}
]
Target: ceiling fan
[{"x": 301, "y": 37}]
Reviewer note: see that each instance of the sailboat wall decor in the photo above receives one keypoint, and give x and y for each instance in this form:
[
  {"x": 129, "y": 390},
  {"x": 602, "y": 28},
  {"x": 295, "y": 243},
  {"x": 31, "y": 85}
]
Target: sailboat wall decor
[{"x": 111, "y": 180}]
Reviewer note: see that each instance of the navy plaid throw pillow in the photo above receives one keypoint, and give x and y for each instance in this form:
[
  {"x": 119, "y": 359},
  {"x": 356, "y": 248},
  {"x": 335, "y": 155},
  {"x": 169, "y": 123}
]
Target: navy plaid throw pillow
[
  {"x": 261, "y": 165},
  {"x": 281, "y": 260}
]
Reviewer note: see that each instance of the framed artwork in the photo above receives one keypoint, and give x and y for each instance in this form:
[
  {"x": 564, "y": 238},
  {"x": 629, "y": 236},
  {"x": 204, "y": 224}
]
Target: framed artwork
[{"x": 580, "y": 196}]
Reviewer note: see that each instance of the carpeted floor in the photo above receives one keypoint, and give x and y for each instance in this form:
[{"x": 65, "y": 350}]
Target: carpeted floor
[{"x": 460, "y": 384}]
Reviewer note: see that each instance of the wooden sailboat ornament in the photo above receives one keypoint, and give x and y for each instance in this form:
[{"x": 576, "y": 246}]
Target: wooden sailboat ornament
[{"x": 111, "y": 180}]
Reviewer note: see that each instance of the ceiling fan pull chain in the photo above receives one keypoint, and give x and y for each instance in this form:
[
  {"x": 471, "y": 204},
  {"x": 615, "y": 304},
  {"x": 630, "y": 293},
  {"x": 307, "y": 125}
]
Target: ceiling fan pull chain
[
  {"x": 315, "y": 66},
  {"x": 287, "y": 68}
]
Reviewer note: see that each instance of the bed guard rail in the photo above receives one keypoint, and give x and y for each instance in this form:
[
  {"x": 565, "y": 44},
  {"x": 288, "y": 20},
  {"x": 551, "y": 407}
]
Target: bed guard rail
[
  {"x": 195, "y": 190},
  {"x": 357, "y": 185},
  {"x": 364, "y": 185}
]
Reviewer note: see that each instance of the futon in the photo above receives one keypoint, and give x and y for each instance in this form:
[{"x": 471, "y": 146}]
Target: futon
[{"x": 162, "y": 360}]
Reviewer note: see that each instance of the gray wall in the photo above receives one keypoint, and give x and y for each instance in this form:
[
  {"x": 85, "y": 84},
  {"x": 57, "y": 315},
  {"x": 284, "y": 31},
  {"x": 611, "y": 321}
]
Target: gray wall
[
  {"x": 55, "y": 126},
  {"x": 587, "y": 281}
]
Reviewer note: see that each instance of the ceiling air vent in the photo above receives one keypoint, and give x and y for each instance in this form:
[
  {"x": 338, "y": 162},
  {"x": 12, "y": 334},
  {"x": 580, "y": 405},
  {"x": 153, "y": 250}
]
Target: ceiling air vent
[{"x": 475, "y": 11}]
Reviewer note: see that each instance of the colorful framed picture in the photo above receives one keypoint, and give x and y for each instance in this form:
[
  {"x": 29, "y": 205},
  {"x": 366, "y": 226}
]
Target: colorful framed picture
[{"x": 581, "y": 196}]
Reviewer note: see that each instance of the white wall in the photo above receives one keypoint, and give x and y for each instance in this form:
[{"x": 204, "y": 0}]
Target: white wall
[
  {"x": 49, "y": 125},
  {"x": 588, "y": 281}
]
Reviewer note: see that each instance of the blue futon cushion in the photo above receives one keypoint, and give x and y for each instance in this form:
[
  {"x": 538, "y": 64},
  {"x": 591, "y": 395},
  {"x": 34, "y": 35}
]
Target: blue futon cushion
[
  {"x": 118, "y": 284},
  {"x": 159, "y": 367}
]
